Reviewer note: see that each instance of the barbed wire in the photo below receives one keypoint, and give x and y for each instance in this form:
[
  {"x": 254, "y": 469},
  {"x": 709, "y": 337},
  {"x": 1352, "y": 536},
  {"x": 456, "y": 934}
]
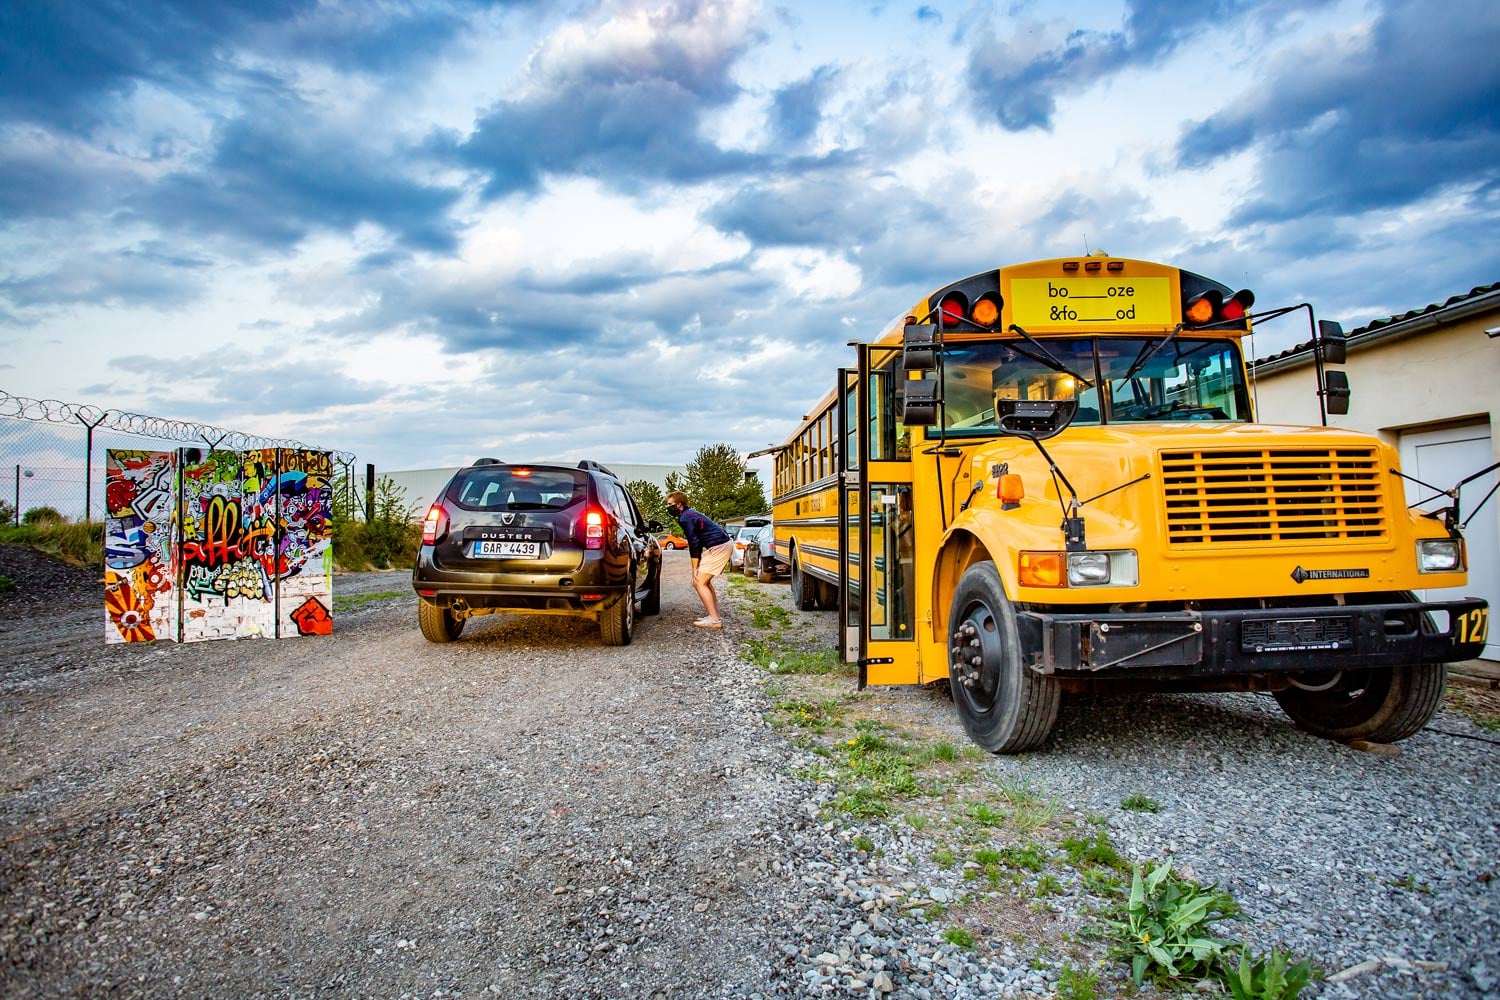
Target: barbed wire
[{"x": 57, "y": 412}]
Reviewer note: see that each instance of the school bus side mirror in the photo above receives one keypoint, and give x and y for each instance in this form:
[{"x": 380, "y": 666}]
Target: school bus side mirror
[
  {"x": 1037, "y": 419},
  {"x": 919, "y": 402},
  {"x": 1332, "y": 343},
  {"x": 919, "y": 347},
  {"x": 1336, "y": 392}
]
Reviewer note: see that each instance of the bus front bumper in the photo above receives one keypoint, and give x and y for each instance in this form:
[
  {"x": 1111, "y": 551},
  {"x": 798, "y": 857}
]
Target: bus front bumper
[{"x": 1226, "y": 642}]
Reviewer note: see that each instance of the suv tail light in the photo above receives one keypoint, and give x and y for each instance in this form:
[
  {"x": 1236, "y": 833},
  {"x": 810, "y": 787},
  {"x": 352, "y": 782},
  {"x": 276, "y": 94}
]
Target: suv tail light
[
  {"x": 593, "y": 531},
  {"x": 434, "y": 525}
]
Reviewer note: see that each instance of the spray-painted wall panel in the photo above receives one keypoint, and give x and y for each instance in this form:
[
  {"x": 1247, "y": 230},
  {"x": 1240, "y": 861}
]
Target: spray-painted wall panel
[
  {"x": 304, "y": 542},
  {"x": 227, "y": 538},
  {"x": 242, "y": 539},
  {"x": 140, "y": 554}
]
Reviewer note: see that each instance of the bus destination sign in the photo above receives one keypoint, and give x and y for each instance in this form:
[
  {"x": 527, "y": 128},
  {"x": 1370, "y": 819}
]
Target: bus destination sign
[{"x": 1037, "y": 303}]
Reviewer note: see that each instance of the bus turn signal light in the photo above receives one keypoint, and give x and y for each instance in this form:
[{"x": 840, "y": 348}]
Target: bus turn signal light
[
  {"x": 1009, "y": 488},
  {"x": 1042, "y": 569}
]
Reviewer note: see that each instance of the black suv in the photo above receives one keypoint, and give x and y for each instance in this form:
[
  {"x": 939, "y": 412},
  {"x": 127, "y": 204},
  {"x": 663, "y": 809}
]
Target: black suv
[{"x": 540, "y": 539}]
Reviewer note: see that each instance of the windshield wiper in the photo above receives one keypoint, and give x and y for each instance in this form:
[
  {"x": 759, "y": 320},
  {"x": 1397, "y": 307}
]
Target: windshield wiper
[
  {"x": 1048, "y": 358},
  {"x": 1148, "y": 355}
]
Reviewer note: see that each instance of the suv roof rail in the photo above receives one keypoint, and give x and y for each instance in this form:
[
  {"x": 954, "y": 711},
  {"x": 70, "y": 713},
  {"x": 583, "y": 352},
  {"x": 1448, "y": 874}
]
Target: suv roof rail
[
  {"x": 596, "y": 467},
  {"x": 488, "y": 461}
]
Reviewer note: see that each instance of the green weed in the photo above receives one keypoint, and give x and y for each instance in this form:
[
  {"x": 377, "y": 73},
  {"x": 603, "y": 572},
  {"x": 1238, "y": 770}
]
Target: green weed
[
  {"x": 959, "y": 938},
  {"x": 1165, "y": 930},
  {"x": 1077, "y": 984},
  {"x": 1269, "y": 977},
  {"x": 352, "y": 602},
  {"x": 1136, "y": 802},
  {"x": 1095, "y": 850}
]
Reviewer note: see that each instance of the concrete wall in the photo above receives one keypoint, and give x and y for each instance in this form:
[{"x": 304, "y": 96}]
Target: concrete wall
[{"x": 1444, "y": 375}]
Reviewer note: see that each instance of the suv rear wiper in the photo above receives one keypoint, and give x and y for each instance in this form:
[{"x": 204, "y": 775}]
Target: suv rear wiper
[{"x": 1048, "y": 359}]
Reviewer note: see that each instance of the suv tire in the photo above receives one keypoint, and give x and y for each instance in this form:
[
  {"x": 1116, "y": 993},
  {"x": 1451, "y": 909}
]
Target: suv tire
[
  {"x": 438, "y": 623},
  {"x": 617, "y": 622}
]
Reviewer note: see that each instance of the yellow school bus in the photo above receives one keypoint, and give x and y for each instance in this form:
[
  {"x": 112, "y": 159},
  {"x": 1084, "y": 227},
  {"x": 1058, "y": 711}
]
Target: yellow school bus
[{"x": 1049, "y": 477}]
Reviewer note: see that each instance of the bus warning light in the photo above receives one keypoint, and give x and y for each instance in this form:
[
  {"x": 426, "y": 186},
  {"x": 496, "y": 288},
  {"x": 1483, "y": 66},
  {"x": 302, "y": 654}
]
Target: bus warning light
[
  {"x": 1201, "y": 308},
  {"x": 986, "y": 311},
  {"x": 1009, "y": 489}
]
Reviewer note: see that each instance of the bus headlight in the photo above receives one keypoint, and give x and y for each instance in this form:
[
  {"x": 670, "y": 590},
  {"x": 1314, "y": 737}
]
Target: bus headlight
[
  {"x": 1439, "y": 555},
  {"x": 1088, "y": 569},
  {"x": 1110, "y": 568}
]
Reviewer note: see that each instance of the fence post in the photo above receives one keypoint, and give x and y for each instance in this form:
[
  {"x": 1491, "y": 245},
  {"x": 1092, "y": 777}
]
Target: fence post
[
  {"x": 88, "y": 459},
  {"x": 369, "y": 492}
]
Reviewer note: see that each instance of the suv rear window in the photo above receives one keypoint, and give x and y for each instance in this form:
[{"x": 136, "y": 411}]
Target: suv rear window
[{"x": 513, "y": 488}]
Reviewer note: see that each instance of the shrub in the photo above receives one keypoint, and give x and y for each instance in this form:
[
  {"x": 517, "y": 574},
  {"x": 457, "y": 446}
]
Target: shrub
[{"x": 42, "y": 515}]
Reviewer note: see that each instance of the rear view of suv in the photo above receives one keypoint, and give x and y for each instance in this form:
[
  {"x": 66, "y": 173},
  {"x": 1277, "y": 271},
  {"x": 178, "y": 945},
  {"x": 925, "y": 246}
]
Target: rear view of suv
[{"x": 538, "y": 539}]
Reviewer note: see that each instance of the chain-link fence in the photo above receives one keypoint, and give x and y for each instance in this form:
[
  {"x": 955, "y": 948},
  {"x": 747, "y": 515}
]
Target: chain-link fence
[{"x": 52, "y": 454}]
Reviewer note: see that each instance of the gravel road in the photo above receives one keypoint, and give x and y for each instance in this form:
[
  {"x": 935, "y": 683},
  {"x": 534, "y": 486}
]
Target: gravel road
[{"x": 526, "y": 813}]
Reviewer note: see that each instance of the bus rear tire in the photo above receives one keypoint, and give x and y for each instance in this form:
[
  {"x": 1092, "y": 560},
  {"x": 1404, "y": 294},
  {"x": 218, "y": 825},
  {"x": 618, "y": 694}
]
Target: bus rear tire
[
  {"x": 1381, "y": 706},
  {"x": 1004, "y": 707},
  {"x": 804, "y": 587}
]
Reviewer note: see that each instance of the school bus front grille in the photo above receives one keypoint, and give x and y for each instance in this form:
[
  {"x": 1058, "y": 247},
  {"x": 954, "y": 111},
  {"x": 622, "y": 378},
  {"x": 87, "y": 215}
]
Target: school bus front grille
[{"x": 1257, "y": 495}]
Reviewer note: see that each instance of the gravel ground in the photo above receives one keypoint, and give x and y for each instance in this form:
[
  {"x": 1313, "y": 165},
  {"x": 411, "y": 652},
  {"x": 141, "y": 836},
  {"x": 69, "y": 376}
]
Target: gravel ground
[{"x": 526, "y": 813}]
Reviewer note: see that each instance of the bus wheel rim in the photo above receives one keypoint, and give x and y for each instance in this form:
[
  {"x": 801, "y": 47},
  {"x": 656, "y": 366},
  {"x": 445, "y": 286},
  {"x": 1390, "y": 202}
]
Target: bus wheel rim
[{"x": 976, "y": 639}]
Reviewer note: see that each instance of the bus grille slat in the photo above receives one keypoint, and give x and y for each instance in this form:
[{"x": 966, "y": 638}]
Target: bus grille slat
[{"x": 1258, "y": 495}]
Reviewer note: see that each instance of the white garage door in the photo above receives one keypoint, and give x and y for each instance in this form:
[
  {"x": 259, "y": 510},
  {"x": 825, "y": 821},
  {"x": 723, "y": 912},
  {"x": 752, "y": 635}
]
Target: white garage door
[{"x": 1442, "y": 458}]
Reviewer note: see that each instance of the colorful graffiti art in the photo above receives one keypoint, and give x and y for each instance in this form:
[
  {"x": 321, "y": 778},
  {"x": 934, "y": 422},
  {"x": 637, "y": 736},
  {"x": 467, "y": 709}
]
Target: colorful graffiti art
[
  {"x": 233, "y": 544},
  {"x": 303, "y": 556},
  {"x": 140, "y": 557}
]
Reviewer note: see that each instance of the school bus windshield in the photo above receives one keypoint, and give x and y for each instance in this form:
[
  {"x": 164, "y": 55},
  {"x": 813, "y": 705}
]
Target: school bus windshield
[{"x": 1114, "y": 379}]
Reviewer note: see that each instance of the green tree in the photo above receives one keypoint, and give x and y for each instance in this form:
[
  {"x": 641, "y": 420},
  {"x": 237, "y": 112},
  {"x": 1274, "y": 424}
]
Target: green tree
[
  {"x": 717, "y": 486},
  {"x": 650, "y": 499}
]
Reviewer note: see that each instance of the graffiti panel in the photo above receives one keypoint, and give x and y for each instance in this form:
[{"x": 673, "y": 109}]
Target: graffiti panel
[
  {"x": 304, "y": 542},
  {"x": 140, "y": 564},
  {"x": 227, "y": 545}
]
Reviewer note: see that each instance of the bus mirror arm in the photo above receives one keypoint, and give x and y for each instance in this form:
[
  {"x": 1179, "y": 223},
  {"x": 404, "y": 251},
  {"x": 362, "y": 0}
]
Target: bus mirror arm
[{"x": 1451, "y": 515}]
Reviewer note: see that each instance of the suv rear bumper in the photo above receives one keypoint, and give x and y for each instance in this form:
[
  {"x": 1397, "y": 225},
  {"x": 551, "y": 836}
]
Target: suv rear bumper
[
  {"x": 1228, "y": 642},
  {"x": 518, "y": 591}
]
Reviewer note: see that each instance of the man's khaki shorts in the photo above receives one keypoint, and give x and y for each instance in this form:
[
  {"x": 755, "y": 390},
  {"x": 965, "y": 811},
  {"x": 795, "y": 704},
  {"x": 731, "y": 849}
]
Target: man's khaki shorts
[{"x": 714, "y": 561}]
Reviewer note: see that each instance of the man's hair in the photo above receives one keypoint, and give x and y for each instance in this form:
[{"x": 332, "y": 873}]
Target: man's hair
[{"x": 677, "y": 496}]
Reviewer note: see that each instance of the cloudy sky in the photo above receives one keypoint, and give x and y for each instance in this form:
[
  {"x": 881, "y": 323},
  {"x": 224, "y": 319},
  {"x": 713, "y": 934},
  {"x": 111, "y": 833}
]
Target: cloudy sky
[{"x": 424, "y": 230}]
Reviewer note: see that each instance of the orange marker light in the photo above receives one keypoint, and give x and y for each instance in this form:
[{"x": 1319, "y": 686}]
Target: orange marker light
[
  {"x": 986, "y": 312},
  {"x": 1201, "y": 308},
  {"x": 1042, "y": 569},
  {"x": 1010, "y": 489}
]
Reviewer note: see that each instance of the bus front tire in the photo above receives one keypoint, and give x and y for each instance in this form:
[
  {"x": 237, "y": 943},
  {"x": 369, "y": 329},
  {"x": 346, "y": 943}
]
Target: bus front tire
[
  {"x": 438, "y": 623},
  {"x": 1381, "y": 706},
  {"x": 1004, "y": 707}
]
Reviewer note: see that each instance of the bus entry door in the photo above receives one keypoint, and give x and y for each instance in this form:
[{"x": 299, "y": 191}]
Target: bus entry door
[{"x": 882, "y": 542}]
